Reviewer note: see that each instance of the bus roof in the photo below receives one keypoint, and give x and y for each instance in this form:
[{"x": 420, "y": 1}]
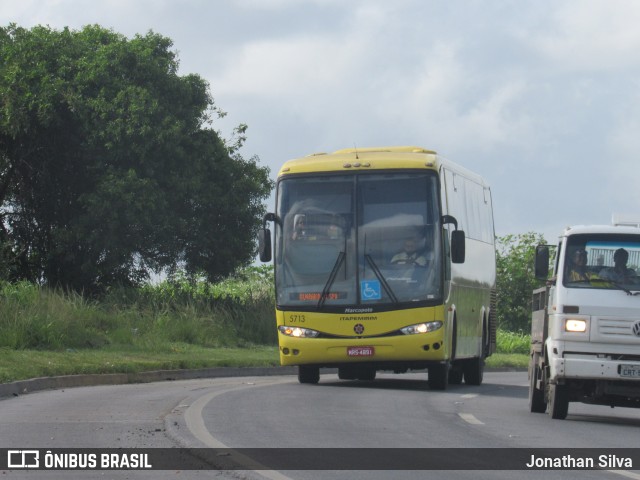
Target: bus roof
[
  {"x": 375, "y": 158},
  {"x": 372, "y": 158}
]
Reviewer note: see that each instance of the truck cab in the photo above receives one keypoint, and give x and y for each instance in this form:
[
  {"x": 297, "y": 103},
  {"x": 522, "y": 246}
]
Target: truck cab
[{"x": 585, "y": 332}]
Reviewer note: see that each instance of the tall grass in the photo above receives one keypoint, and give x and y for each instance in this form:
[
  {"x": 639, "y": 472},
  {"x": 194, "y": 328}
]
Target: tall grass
[
  {"x": 175, "y": 324},
  {"x": 513, "y": 342},
  {"x": 236, "y": 312}
]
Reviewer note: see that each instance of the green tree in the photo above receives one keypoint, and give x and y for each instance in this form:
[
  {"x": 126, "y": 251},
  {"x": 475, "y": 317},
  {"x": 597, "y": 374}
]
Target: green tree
[
  {"x": 109, "y": 166},
  {"x": 516, "y": 280}
]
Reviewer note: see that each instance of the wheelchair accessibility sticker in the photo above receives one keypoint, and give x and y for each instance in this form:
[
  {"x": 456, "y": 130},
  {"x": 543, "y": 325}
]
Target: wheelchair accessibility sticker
[{"x": 370, "y": 290}]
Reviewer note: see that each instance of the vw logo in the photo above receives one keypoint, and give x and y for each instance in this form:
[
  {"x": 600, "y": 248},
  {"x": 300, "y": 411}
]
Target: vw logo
[
  {"x": 359, "y": 329},
  {"x": 636, "y": 329}
]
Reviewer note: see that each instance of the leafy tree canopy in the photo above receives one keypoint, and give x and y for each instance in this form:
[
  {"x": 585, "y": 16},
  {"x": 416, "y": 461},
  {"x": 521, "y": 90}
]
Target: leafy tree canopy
[
  {"x": 515, "y": 256},
  {"x": 109, "y": 167}
]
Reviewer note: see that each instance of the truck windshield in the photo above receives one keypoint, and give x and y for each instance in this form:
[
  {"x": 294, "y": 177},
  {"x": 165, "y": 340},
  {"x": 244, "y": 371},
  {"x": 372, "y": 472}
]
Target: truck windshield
[
  {"x": 358, "y": 240},
  {"x": 603, "y": 261}
]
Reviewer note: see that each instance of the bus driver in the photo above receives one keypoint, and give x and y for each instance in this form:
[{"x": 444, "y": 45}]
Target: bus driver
[{"x": 410, "y": 254}]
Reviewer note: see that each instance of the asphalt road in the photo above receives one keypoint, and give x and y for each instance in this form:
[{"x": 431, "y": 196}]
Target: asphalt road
[{"x": 395, "y": 411}]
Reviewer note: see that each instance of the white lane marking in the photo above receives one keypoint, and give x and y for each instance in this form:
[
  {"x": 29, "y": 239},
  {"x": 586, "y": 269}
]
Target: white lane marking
[
  {"x": 469, "y": 395},
  {"x": 195, "y": 424},
  {"x": 470, "y": 418}
]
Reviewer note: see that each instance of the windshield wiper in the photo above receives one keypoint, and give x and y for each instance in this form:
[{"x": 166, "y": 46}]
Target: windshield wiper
[
  {"x": 380, "y": 277},
  {"x": 607, "y": 282},
  {"x": 331, "y": 279},
  {"x": 623, "y": 288}
]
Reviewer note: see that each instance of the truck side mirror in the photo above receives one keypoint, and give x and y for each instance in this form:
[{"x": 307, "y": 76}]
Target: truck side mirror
[
  {"x": 457, "y": 246},
  {"x": 542, "y": 262}
]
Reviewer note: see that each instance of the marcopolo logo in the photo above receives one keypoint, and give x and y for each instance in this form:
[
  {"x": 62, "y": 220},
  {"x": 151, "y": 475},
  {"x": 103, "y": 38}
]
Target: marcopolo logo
[{"x": 23, "y": 459}]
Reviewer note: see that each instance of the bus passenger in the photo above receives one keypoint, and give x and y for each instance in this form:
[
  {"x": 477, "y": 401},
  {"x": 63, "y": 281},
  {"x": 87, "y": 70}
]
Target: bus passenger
[
  {"x": 620, "y": 272},
  {"x": 578, "y": 268}
]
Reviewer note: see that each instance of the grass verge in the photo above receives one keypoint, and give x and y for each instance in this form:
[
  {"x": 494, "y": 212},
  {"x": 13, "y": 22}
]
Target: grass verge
[
  {"x": 24, "y": 364},
  {"x": 507, "y": 360},
  {"x": 45, "y": 332}
]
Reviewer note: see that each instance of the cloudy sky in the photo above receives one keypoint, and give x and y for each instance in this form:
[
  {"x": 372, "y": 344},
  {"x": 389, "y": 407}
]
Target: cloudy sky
[{"x": 540, "y": 97}]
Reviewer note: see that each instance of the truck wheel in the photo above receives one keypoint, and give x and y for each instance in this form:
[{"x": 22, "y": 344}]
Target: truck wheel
[
  {"x": 438, "y": 376},
  {"x": 558, "y": 401},
  {"x": 537, "y": 403},
  {"x": 474, "y": 371},
  {"x": 308, "y": 374}
]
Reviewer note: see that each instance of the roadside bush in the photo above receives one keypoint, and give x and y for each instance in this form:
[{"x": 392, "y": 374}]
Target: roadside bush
[
  {"x": 32, "y": 317},
  {"x": 236, "y": 312}
]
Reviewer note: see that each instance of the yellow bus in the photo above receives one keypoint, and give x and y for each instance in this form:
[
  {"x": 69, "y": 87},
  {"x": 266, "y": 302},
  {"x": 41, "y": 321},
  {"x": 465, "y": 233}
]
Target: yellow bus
[{"x": 384, "y": 259}]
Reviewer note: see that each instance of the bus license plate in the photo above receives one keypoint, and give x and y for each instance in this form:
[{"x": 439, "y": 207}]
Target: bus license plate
[
  {"x": 631, "y": 371},
  {"x": 360, "y": 351}
]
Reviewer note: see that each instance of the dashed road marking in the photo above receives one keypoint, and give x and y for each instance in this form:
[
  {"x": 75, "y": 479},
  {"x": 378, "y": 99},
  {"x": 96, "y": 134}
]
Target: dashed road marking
[{"x": 470, "y": 418}]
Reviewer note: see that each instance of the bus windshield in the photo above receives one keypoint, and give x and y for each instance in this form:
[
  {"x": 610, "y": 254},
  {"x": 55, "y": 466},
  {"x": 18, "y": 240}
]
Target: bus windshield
[
  {"x": 603, "y": 261},
  {"x": 361, "y": 240}
]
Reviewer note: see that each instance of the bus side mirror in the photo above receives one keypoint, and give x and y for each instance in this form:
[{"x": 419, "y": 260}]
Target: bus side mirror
[
  {"x": 264, "y": 244},
  {"x": 457, "y": 246},
  {"x": 264, "y": 239},
  {"x": 457, "y": 240},
  {"x": 542, "y": 262}
]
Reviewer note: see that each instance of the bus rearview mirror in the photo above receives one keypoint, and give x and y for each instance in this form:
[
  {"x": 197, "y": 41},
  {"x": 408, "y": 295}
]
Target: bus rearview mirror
[
  {"x": 264, "y": 244},
  {"x": 457, "y": 246}
]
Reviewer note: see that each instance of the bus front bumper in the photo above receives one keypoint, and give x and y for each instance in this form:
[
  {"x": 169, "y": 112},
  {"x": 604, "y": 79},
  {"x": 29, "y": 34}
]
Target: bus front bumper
[{"x": 418, "y": 348}]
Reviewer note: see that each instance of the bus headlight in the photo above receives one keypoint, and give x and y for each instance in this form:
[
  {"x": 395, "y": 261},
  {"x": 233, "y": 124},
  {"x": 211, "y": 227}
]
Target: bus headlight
[
  {"x": 421, "y": 328},
  {"x": 298, "y": 332},
  {"x": 575, "y": 325}
]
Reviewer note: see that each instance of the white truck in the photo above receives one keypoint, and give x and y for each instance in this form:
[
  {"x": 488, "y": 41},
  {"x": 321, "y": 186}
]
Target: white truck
[{"x": 585, "y": 329}]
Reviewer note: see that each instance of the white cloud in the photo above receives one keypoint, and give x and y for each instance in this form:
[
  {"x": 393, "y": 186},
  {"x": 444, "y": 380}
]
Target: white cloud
[
  {"x": 623, "y": 152},
  {"x": 291, "y": 67},
  {"x": 279, "y": 4},
  {"x": 303, "y": 64},
  {"x": 592, "y": 35},
  {"x": 446, "y": 101},
  {"x": 495, "y": 121}
]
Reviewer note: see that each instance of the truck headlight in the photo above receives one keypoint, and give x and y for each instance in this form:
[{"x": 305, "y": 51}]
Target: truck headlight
[
  {"x": 421, "y": 328},
  {"x": 298, "y": 332},
  {"x": 575, "y": 325}
]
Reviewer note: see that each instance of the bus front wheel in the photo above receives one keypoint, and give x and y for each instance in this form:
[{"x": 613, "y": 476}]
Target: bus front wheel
[
  {"x": 308, "y": 374},
  {"x": 438, "y": 376}
]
